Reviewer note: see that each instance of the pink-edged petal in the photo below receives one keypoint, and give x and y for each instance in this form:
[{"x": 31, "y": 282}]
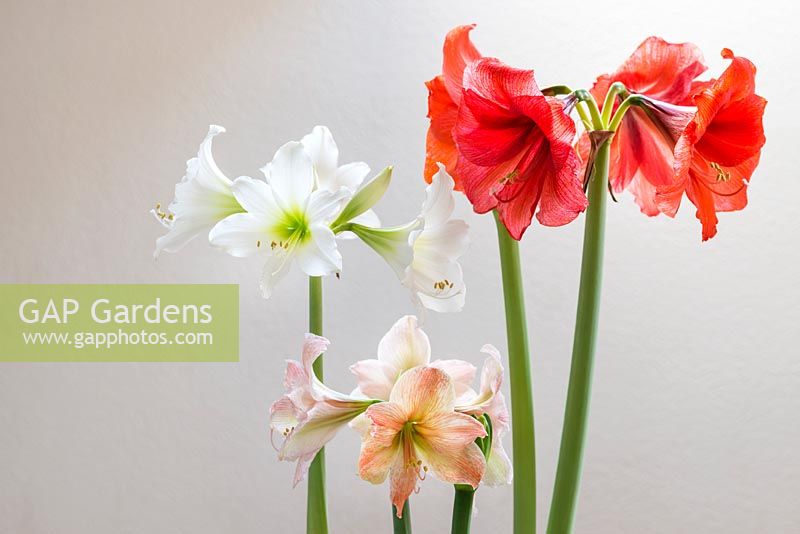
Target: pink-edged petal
[
  {"x": 462, "y": 373},
  {"x": 301, "y": 468},
  {"x": 444, "y": 432},
  {"x": 376, "y": 460},
  {"x": 375, "y": 378},
  {"x": 322, "y": 423},
  {"x": 284, "y": 416},
  {"x": 313, "y": 347},
  {"x": 459, "y": 466},
  {"x": 403, "y": 482},
  {"x": 422, "y": 391},
  {"x": 387, "y": 420},
  {"x": 405, "y": 345}
]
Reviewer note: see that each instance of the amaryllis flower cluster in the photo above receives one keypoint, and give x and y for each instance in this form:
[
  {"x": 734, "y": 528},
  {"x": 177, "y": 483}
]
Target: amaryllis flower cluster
[
  {"x": 415, "y": 415},
  {"x": 303, "y": 205},
  {"x": 511, "y": 146}
]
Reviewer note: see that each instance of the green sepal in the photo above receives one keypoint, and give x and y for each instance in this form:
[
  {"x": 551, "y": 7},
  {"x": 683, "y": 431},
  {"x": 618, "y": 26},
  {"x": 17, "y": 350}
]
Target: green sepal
[{"x": 364, "y": 199}]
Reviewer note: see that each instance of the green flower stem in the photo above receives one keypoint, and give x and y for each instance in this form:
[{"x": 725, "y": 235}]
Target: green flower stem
[
  {"x": 316, "y": 510},
  {"x": 621, "y": 110},
  {"x": 462, "y": 509},
  {"x": 608, "y": 104},
  {"x": 570, "y": 457},
  {"x": 585, "y": 96},
  {"x": 402, "y": 525},
  {"x": 522, "y": 436}
]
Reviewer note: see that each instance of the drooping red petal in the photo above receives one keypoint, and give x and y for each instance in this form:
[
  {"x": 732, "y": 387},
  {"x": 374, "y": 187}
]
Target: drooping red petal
[
  {"x": 444, "y": 97},
  {"x": 440, "y": 146},
  {"x": 659, "y": 69},
  {"x": 458, "y": 53}
]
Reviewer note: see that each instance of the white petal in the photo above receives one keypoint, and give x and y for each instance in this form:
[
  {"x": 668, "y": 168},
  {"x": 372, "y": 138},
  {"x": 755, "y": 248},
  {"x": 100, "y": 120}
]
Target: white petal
[
  {"x": 323, "y": 205},
  {"x": 291, "y": 175},
  {"x": 180, "y": 233},
  {"x": 426, "y": 276},
  {"x": 319, "y": 255},
  {"x": 350, "y": 176},
  {"x": 254, "y": 195},
  {"x": 439, "y": 201},
  {"x": 368, "y": 218},
  {"x": 202, "y": 198},
  {"x": 203, "y": 168},
  {"x": 240, "y": 235},
  {"x": 277, "y": 265},
  {"x": 324, "y": 154},
  {"x": 450, "y": 240},
  {"x": 405, "y": 345},
  {"x": 499, "y": 470}
]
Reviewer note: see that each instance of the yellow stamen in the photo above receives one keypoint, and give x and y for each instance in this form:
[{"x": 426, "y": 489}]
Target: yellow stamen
[
  {"x": 722, "y": 175},
  {"x": 510, "y": 177}
]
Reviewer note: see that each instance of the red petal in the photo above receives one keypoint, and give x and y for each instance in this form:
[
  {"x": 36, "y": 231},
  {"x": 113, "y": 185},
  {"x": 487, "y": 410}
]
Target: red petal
[
  {"x": 458, "y": 53},
  {"x": 640, "y": 151},
  {"x": 658, "y": 69},
  {"x": 440, "y": 146}
]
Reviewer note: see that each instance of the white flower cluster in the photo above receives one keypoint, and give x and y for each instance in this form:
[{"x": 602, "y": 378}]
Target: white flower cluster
[{"x": 304, "y": 203}]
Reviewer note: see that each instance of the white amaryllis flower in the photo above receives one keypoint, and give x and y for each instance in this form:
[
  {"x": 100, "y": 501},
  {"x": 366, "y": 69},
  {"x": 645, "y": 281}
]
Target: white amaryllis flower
[
  {"x": 331, "y": 176},
  {"x": 310, "y": 413},
  {"x": 406, "y": 347},
  {"x": 203, "y": 197},
  {"x": 424, "y": 253},
  {"x": 286, "y": 219}
]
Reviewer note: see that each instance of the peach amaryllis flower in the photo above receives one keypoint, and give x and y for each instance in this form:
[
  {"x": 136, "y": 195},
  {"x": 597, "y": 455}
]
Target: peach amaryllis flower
[
  {"x": 719, "y": 149},
  {"x": 444, "y": 97},
  {"x": 641, "y": 157},
  {"x": 418, "y": 430},
  {"x": 310, "y": 413},
  {"x": 406, "y": 346},
  {"x": 516, "y": 150}
]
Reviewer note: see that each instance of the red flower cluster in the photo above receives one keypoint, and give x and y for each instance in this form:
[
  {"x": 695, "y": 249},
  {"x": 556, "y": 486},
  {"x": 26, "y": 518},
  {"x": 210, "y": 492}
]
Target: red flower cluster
[
  {"x": 511, "y": 148},
  {"x": 508, "y": 146}
]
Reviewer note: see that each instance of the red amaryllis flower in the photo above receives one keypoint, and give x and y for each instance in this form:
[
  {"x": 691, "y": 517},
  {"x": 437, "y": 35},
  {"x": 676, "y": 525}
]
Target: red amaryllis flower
[
  {"x": 515, "y": 148},
  {"x": 642, "y": 150},
  {"x": 444, "y": 97},
  {"x": 720, "y": 148}
]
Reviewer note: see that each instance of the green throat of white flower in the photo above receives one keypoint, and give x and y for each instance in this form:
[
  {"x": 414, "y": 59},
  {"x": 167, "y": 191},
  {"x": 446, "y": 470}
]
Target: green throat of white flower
[{"x": 292, "y": 229}]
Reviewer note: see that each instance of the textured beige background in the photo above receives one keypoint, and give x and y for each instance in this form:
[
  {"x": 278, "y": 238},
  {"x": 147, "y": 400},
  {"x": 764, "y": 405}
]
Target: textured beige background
[{"x": 694, "y": 422}]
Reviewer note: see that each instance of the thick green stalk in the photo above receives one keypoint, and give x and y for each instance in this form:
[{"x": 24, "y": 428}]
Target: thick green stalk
[
  {"x": 401, "y": 525},
  {"x": 573, "y": 435},
  {"x": 522, "y": 435},
  {"x": 462, "y": 509},
  {"x": 316, "y": 510}
]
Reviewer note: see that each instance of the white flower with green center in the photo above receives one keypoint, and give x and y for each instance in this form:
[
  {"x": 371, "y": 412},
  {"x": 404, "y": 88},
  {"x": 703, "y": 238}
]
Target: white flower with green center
[
  {"x": 331, "y": 176},
  {"x": 287, "y": 218},
  {"x": 203, "y": 197},
  {"x": 424, "y": 253}
]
